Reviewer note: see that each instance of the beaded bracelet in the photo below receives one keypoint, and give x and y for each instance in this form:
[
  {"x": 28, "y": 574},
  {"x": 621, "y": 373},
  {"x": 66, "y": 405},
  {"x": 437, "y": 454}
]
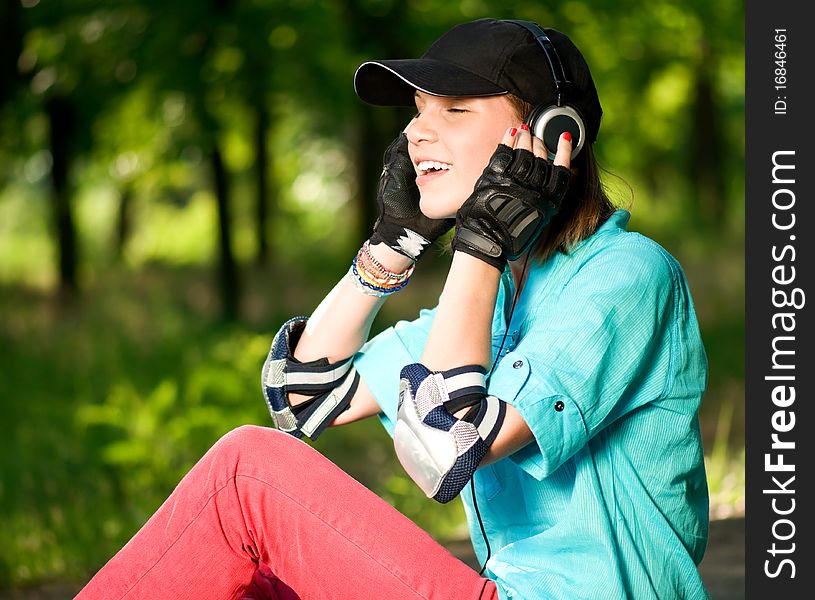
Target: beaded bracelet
[
  {"x": 371, "y": 273},
  {"x": 374, "y": 283},
  {"x": 376, "y": 269},
  {"x": 365, "y": 279},
  {"x": 366, "y": 252},
  {"x": 370, "y": 289}
]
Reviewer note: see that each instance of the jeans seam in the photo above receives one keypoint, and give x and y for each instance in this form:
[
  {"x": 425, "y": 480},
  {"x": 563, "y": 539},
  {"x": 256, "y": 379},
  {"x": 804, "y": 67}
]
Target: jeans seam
[
  {"x": 316, "y": 516},
  {"x": 483, "y": 589}
]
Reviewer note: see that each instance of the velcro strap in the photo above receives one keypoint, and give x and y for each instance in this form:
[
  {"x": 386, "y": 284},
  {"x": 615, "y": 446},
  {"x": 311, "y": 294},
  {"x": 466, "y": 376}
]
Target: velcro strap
[
  {"x": 490, "y": 418},
  {"x": 317, "y": 414},
  {"x": 316, "y": 376},
  {"x": 466, "y": 386}
]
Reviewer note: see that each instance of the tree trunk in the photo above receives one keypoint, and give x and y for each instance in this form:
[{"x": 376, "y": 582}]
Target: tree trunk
[
  {"x": 707, "y": 168},
  {"x": 61, "y": 116},
  {"x": 230, "y": 293},
  {"x": 262, "y": 165},
  {"x": 369, "y": 167},
  {"x": 11, "y": 44},
  {"x": 123, "y": 221}
]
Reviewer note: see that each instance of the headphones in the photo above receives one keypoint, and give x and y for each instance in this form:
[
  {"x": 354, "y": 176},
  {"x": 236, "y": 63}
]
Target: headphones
[{"x": 548, "y": 122}]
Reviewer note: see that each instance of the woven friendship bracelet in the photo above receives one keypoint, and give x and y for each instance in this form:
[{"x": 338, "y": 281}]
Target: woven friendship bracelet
[
  {"x": 370, "y": 259},
  {"x": 388, "y": 283},
  {"x": 371, "y": 273},
  {"x": 371, "y": 288},
  {"x": 363, "y": 278}
]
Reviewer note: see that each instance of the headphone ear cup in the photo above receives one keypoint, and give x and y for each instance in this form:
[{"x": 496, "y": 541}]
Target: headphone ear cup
[{"x": 549, "y": 122}]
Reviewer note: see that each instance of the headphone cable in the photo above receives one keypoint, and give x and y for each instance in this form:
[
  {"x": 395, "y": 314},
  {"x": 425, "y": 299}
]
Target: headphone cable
[{"x": 495, "y": 364}]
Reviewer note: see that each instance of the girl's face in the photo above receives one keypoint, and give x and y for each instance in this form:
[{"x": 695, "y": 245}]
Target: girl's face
[{"x": 450, "y": 142}]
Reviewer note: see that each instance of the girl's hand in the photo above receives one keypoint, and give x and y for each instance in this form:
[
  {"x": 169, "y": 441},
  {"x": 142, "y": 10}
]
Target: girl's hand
[
  {"x": 401, "y": 225},
  {"x": 514, "y": 199}
]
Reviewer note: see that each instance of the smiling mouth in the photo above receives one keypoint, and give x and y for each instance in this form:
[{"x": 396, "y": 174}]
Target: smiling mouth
[{"x": 428, "y": 167}]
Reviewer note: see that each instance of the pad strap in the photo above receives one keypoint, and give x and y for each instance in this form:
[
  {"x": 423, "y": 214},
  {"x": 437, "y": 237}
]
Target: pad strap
[
  {"x": 331, "y": 385},
  {"x": 439, "y": 451},
  {"x": 466, "y": 386}
]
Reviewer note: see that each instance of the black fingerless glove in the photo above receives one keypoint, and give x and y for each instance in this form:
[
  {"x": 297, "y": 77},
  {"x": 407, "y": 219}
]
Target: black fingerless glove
[
  {"x": 401, "y": 225},
  {"x": 513, "y": 200}
]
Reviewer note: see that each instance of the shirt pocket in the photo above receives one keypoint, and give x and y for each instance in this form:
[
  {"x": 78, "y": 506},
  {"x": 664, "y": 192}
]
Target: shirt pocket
[{"x": 509, "y": 376}]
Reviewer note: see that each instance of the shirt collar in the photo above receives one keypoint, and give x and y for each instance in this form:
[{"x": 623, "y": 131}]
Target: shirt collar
[{"x": 618, "y": 221}]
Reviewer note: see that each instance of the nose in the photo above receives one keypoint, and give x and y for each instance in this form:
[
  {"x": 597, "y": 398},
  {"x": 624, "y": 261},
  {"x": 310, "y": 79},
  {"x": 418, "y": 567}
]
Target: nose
[{"x": 420, "y": 129}]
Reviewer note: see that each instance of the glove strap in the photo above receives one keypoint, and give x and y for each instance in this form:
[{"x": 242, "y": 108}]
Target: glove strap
[{"x": 479, "y": 246}]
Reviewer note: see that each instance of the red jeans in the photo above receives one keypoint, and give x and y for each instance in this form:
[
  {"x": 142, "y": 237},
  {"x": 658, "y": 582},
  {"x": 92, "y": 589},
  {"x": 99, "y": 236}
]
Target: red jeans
[{"x": 263, "y": 515}]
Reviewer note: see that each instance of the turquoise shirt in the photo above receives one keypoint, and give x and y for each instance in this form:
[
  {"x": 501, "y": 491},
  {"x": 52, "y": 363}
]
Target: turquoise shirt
[{"x": 604, "y": 361}]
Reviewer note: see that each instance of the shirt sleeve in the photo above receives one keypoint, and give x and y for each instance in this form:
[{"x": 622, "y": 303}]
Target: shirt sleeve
[
  {"x": 592, "y": 352},
  {"x": 381, "y": 359}
]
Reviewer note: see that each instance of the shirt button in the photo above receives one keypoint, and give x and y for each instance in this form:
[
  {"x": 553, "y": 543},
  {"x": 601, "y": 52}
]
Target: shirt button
[
  {"x": 559, "y": 406},
  {"x": 517, "y": 364}
]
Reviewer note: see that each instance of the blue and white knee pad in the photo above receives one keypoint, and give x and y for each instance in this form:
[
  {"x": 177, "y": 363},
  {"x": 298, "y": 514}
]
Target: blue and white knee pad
[
  {"x": 330, "y": 385},
  {"x": 439, "y": 451}
]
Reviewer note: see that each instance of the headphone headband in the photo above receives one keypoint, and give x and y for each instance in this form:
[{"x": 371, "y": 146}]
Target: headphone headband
[{"x": 562, "y": 82}]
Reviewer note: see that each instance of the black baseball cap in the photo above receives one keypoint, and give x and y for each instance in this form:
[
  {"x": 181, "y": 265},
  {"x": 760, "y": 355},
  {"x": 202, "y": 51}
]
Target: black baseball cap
[{"x": 487, "y": 57}]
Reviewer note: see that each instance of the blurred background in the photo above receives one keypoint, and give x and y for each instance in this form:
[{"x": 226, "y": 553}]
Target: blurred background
[{"x": 178, "y": 178}]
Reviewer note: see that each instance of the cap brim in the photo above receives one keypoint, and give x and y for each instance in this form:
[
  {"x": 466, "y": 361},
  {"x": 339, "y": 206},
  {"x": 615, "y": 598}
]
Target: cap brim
[{"x": 394, "y": 82}]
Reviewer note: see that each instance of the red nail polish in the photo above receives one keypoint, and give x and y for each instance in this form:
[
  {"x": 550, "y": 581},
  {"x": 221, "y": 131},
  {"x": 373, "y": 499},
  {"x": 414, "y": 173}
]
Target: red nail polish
[
  {"x": 525, "y": 127},
  {"x": 513, "y": 131},
  {"x": 567, "y": 136}
]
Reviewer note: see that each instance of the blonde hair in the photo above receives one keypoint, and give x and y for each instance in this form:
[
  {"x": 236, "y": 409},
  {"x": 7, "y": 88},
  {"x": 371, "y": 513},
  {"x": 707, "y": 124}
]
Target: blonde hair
[{"x": 585, "y": 206}]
